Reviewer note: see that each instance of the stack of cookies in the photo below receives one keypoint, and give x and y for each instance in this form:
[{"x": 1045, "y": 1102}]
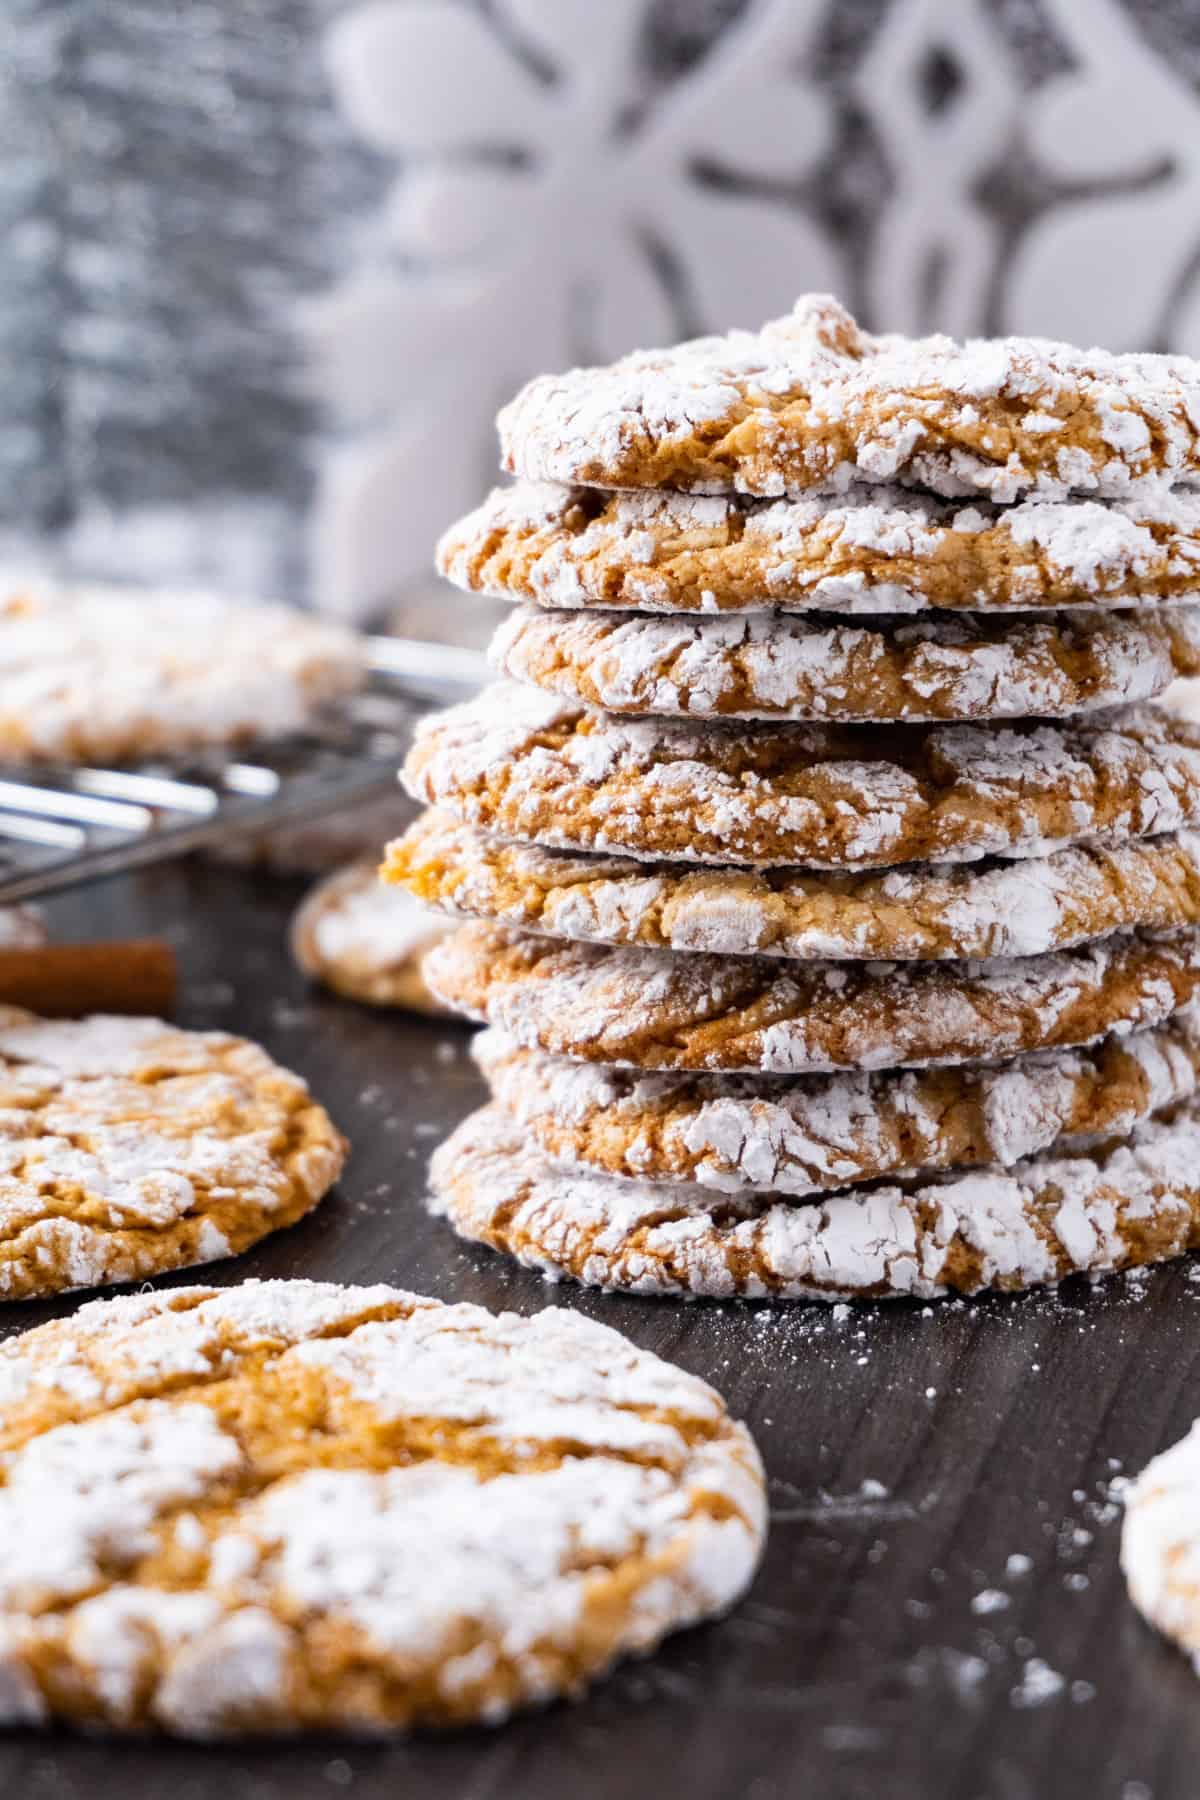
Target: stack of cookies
[{"x": 834, "y": 879}]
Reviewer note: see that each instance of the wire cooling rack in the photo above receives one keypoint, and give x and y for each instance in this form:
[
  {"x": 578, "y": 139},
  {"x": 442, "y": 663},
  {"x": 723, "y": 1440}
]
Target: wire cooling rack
[{"x": 63, "y": 826}]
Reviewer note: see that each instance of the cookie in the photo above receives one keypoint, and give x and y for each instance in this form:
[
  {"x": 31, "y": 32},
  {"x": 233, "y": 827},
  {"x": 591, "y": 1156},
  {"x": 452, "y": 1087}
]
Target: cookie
[
  {"x": 1160, "y": 1543},
  {"x": 131, "y": 1148},
  {"x": 290, "y": 1506},
  {"x": 878, "y": 550},
  {"x": 813, "y": 403},
  {"x": 918, "y": 912},
  {"x": 782, "y": 668},
  {"x": 654, "y": 1010},
  {"x": 108, "y": 674},
  {"x": 802, "y": 1135},
  {"x": 366, "y": 941},
  {"x": 1010, "y": 1229},
  {"x": 529, "y": 766}
]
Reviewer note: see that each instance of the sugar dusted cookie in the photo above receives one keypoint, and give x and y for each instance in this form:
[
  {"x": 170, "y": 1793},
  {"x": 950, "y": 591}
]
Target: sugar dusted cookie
[
  {"x": 490, "y": 1511},
  {"x": 529, "y": 766},
  {"x": 367, "y": 941},
  {"x": 98, "y": 674},
  {"x": 784, "y": 668},
  {"x": 131, "y": 1147},
  {"x": 812, "y": 402},
  {"x": 920, "y": 911},
  {"x": 802, "y": 1135},
  {"x": 1160, "y": 1543},
  {"x": 653, "y": 1010},
  {"x": 874, "y": 550},
  {"x": 1011, "y": 1229}
]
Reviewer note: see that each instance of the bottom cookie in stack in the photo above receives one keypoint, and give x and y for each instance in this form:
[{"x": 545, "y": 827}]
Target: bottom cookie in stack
[{"x": 741, "y": 1126}]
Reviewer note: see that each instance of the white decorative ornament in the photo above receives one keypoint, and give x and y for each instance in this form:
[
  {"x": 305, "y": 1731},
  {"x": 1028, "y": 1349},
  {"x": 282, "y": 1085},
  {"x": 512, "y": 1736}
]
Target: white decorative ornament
[
  {"x": 1114, "y": 265},
  {"x": 934, "y": 250},
  {"x": 550, "y": 211}
]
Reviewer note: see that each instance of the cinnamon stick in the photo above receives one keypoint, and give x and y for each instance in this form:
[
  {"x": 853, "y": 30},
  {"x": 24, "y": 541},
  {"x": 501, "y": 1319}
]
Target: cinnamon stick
[{"x": 64, "y": 981}]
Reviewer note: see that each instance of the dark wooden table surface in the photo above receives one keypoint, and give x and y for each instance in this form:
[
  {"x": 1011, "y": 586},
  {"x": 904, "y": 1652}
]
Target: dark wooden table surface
[{"x": 891, "y": 1645}]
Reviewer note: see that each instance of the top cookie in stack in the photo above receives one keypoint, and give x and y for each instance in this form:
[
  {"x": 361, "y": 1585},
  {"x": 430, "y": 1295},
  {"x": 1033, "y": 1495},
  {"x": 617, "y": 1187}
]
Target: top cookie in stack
[{"x": 837, "y": 879}]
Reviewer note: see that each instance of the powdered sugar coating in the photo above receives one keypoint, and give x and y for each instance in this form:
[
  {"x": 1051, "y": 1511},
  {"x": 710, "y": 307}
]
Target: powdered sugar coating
[
  {"x": 493, "y": 1509},
  {"x": 530, "y": 767},
  {"x": 759, "y": 667},
  {"x": 917, "y": 912},
  {"x": 366, "y": 940},
  {"x": 1160, "y": 1543},
  {"x": 128, "y": 1147},
  {"x": 650, "y": 1009},
  {"x": 90, "y": 673},
  {"x": 804, "y": 1135},
  {"x": 1013, "y": 1229},
  {"x": 881, "y": 549},
  {"x": 812, "y": 402}
]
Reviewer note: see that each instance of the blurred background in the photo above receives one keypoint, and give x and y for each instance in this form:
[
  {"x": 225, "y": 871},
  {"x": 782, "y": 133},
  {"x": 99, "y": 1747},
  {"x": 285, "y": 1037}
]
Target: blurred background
[{"x": 269, "y": 268}]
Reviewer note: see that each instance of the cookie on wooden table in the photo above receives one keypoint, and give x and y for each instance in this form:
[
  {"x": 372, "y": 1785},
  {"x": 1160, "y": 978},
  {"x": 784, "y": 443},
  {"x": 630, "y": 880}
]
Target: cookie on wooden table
[
  {"x": 808, "y": 1134},
  {"x": 131, "y": 1147},
  {"x": 98, "y": 674},
  {"x": 536, "y": 768},
  {"x": 291, "y": 1506},
  {"x": 1029, "y": 1226},
  {"x": 873, "y": 550},
  {"x": 650, "y": 1009},
  {"x": 367, "y": 940},
  {"x": 964, "y": 668},
  {"x": 1160, "y": 1543},
  {"x": 811, "y": 402},
  {"x": 918, "y": 911}
]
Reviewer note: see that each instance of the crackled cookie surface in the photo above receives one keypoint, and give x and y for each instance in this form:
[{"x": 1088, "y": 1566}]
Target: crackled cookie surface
[
  {"x": 1160, "y": 1543},
  {"x": 802, "y": 1135},
  {"x": 367, "y": 941},
  {"x": 290, "y": 1506},
  {"x": 131, "y": 1147},
  {"x": 1011, "y": 1229},
  {"x": 783, "y": 668},
  {"x": 880, "y": 550},
  {"x": 931, "y": 912},
  {"x": 654, "y": 1010},
  {"x": 528, "y": 766},
  {"x": 812, "y": 402},
  {"x": 94, "y": 673}
]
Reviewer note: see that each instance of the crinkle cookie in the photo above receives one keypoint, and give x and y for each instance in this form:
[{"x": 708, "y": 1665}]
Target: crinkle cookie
[
  {"x": 1011, "y": 1229},
  {"x": 528, "y": 766},
  {"x": 131, "y": 1147},
  {"x": 918, "y": 912},
  {"x": 366, "y": 941},
  {"x": 1160, "y": 1543},
  {"x": 290, "y": 1506},
  {"x": 784, "y": 668},
  {"x": 98, "y": 674},
  {"x": 812, "y": 402},
  {"x": 805, "y": 1134},
  {"x": 878, "y": 550},
  {"x": 651, "y": 1009}
]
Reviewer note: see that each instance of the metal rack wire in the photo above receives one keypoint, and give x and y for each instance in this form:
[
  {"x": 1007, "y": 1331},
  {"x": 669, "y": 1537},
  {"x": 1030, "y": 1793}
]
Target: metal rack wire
[{"x": 63, "y": 826}]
